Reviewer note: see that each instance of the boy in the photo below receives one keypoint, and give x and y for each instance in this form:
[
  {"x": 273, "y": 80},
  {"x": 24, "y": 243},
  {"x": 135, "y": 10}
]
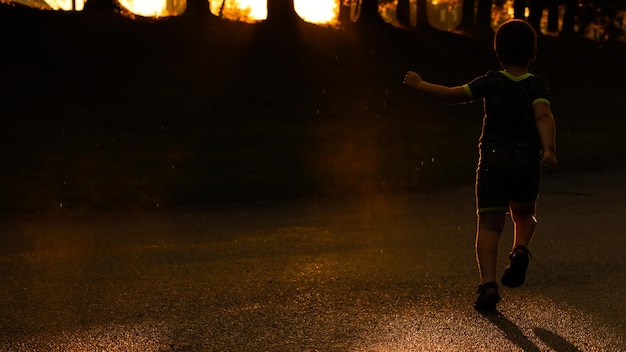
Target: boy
[{"x": 518, "y": 138}]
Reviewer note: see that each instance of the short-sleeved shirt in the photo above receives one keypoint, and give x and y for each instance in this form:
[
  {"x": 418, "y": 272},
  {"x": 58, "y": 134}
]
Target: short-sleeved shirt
[{"x": 508, "y": 104}]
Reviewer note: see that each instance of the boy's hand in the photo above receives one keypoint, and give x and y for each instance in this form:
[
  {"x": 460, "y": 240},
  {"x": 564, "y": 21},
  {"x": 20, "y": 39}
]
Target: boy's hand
[
  {"x": 412, "y": 79},
  {"x": 548, "y": 161}
]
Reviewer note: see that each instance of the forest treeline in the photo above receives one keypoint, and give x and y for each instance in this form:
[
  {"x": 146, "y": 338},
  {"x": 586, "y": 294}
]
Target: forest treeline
[{"x": 605, "y": 18}]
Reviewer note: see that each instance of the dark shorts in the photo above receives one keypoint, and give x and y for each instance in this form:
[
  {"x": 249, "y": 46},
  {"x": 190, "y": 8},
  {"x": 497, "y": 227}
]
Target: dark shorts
[{"x": 506, "y": 173}]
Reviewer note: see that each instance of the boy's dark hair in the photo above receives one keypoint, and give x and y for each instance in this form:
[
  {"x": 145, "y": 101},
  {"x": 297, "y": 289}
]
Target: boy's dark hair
[{"x": 515, "y": 43}]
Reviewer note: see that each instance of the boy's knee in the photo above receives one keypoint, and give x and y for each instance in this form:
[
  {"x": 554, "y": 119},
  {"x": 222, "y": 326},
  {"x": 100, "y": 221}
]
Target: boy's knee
[
  {"x": 525, "y": 217},
  {"x": 492, "y": 221},
  {"x": 523, "y": 209}
]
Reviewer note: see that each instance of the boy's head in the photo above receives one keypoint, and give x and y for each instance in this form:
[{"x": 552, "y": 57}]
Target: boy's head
[{"x": 515, "y": 43}]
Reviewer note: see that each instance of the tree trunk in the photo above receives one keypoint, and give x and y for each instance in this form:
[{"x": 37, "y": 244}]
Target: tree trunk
[
  {"x": 535, "y": 14},
  {"x": 197, "y": 9},
  {"x": 553, "y": 16},
  {"x": 369, "y": 12},
  {"x": 281, "y": 12},
  {"x": 483, "y": 16},
  {"x": 569, "y": 18},
  {"x": 222, "y": 7},
  {"x": 403, "y": 12},
  {"x": 467, "y": 15},
  {"x": 422, "y": 14},
  {"x": 519, "y": 9},
  {"x": 345, "y": 15},
  {"x": 101, "y": 6}
]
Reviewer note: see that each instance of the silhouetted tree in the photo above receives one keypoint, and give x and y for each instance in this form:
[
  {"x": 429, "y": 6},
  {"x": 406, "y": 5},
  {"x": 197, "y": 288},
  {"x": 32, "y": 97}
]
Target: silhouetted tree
[
  {"x": 403, "y": 12},
  {"x": 222, "y": 7},
  {"x": 569, "y": 18},
  {"x": 422, "y": 14},
  {"x": 102, "y": 6},
  {"x": 369, "y": 13},
  {"x": 553, "y": 16},
  {"x": 467, "y": 15},
  {"x": 197, "y": 9},
  {"x": 535, "y": 12},
  {"x": 345, "y": 15},
  {"x": 519, "y": 9},
  {"x": 281, "y": 12},
  {"x": 483, "y": 16},
  {"x": 476, "y": 17}
]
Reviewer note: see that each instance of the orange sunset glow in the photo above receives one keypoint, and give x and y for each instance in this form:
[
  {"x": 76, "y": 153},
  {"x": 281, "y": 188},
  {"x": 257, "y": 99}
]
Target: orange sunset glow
[
  {"x": 147, "y": 8},
  {"x": 443, "y": 14},
  {"x": 319, "y": 11}
]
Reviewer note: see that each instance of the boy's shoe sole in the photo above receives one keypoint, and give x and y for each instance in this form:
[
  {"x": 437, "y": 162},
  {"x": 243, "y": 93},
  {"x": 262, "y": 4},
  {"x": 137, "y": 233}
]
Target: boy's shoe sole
[
  {"x": 488, "y": 297},
  {"x": 515, "y": 274}
]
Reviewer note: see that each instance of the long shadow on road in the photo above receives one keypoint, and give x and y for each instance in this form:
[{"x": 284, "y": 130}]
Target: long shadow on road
[{"x": 518, "y": 338}]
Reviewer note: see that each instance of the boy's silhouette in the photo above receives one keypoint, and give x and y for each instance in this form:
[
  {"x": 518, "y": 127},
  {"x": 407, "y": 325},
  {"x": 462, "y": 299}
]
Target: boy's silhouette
[{"x": 518, "y": 138}]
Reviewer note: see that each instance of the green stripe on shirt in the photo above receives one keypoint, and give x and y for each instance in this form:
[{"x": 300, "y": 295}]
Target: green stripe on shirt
[
  {"x": 468, "y": 91},
  {"x": 516, "y": 78},
  {"x": 541, "y": 100}
]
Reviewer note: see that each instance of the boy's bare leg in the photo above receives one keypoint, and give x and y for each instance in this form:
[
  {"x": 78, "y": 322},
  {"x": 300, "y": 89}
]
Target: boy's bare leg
[
  {"x": 523, "y": 215},
  {"x": 490, "y": 226}
]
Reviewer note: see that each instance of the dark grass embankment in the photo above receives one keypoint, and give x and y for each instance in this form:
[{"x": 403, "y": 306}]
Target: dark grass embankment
[{"x": 109, "y": 112}]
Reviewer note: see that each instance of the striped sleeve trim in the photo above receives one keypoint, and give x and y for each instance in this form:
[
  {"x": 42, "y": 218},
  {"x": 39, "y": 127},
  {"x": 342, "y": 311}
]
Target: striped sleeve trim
[
  {"x": 541, "y": 100},
  {"x": 468, "y": 91}
]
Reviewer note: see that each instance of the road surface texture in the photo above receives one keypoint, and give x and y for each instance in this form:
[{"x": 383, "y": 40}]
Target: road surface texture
[{"x": 381, "y": 273}]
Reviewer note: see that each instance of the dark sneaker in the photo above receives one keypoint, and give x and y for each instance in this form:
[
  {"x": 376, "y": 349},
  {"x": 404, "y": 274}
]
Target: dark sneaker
[
  {"x": 515, "y": 273},
  {"x": 488, "y": 297}
]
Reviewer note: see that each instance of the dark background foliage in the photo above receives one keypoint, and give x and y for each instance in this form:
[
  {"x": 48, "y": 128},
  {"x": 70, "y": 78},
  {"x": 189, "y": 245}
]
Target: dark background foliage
[{"x": 105, "y": 111}]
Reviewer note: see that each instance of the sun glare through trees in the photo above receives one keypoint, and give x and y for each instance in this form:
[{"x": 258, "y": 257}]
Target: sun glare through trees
[
  {"x": 152, "y": 8},
  {"x": 241, "y": 10},
  {"x": 599, "y": 20},
  {"x": 317, "y": 11}
]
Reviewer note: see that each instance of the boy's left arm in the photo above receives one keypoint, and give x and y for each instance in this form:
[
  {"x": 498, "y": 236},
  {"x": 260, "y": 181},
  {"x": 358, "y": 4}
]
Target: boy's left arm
[{"x": 547, "y": 133}]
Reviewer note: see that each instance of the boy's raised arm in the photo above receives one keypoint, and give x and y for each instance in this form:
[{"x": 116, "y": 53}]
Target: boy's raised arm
[{"x": 443, "y": 93}]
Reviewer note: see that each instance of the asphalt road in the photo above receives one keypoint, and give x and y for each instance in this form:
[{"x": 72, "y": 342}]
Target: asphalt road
[{"x": 383, "y": 273}]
